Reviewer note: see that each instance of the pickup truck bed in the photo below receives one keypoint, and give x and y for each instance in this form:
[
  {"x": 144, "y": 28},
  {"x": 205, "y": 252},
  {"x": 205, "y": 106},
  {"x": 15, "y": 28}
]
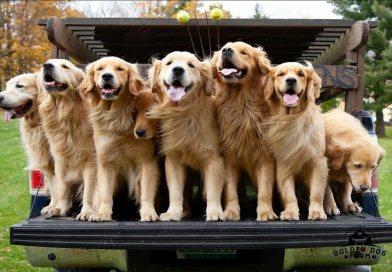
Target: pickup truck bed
[{"x": 196, "y": 234}]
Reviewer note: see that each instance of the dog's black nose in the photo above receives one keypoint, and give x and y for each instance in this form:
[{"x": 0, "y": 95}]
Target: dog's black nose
[
  {"x": 364, "y": 187},
  {"x": 140, "y": 132},
  {"x": 107, "y": 77},
  {"x": 227, "y": 51},
  {"x": 291, "y": 80},
  {"x": 178, "y": 71},
  {"x": 1, "y": 98},
  {"x": 48, "y": 66}
]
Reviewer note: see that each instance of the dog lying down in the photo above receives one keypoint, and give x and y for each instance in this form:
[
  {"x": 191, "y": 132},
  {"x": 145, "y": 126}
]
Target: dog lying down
[
  {"x": 352, "y": 157},
  {"x": 21, "y": 99}
]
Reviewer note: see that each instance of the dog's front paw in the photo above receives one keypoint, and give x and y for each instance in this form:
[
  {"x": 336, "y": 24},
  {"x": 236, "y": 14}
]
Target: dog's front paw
[
  {"x": 289, "y": 215},
  {"x": 265, "y": 215},
  {"x": 317, "y": 214},
  {"x": 148, "y": 215},
  {"x": 100, "y": 217},
  {"x": 57, "y": 212},
  {"x": 232, "y": 212},
  {"x": 172, "y": 215},
  {"x": 331, "y": 210},
  {"x": 352, "y": 208},
  {"x": 47, "y": 209},
  {"x": 215, "y": 214},
  {"x": 83, "y": 216}
]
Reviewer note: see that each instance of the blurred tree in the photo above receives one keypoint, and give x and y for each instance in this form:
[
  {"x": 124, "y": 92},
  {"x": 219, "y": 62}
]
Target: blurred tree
[
  {"x": 151, "y": 9},
  {"x": 24, "y": 45},
  {"x": 378, "y": 74},
  {"x": 259, "y": 12}
]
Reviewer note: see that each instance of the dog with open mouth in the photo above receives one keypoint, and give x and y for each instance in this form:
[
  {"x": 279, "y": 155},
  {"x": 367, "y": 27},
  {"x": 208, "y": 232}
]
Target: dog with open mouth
[
  {"x": 64, "y": 111},
  {"x": 352, "y": 159},
  {"x": 189, "y": 130},
  {"x": 126, "y": 158},
  {"x": 21, "y": 99},
  {"x": 240, "y": 71},
  {"x": 296, "y": 137}
]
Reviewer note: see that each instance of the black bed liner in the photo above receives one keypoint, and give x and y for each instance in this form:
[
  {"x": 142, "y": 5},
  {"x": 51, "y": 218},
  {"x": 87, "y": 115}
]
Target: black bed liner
[{"x": 68, "y": 233}]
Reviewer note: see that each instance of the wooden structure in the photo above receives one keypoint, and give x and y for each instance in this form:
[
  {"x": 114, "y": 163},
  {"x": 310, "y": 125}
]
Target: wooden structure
[{"x": 335, "y": 47}]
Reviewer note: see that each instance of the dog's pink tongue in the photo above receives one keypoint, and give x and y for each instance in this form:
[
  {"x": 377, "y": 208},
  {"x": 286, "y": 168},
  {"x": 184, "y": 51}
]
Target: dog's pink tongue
[
  {"x": 8, "y": 115},
  {"x": 228, "y": 71},
  {"x": 176, "y": 93},
  {"x": 108, "y": 91},
  {"x": 50, "y": 84},
  {"x": 290, "y": 99}
]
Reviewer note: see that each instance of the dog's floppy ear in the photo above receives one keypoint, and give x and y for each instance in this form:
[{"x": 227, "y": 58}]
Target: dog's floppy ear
[
  {"x": 314, "y": 82},
  {"x": 383, "y": 153},
  {"x": 207, "y": 84},
  {"x": 263, "y": 61},
  {"x": 214, "y": 63},
  {"x": 87, "y": 85},
  {"x": 269, "y": 84},
  {"x": 153, "y": 74},
  {"x": 336, "y": 154},
  {"x": 136, "y": 83}
]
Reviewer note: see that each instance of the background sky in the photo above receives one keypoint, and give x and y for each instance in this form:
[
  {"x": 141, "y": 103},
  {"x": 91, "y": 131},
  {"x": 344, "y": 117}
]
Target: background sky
[{"x": 281, "y": 9}]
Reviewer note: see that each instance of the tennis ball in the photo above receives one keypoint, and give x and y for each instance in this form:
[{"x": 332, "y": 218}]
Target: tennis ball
[
  {"x": 183, "y": 17},
  {"x": 216, "y": 14}
]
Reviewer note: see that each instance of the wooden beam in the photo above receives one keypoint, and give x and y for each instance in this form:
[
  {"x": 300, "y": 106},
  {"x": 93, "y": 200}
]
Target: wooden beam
[
  {"x": 329, "y": 94},
  {"x": 63, "y": 38},
  {"x": 352, "y": 40}
]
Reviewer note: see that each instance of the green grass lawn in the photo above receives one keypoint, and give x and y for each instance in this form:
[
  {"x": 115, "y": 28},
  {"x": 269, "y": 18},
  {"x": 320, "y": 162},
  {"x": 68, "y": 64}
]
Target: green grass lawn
[{"x": 15, "y": 198}]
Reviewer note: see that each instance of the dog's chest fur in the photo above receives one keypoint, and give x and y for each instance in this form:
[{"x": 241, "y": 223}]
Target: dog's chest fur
[
  {"x": 241, "y": 118},
  {"x": 36, "y": 143},
  {"x": 297, "y": 140},
  {"x": 115, "y": 141},
  {"x": 189, "y": 132},
  {"x": 69, "y": 132}
]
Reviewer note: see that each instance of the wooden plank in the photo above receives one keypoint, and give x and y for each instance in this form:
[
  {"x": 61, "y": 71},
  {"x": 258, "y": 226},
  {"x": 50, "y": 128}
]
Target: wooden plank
[
  {"x": 329, "y": 94},
  {"x": 63, "y": 38},
  {"x": 259, "y": 23},
  {"x": 338, "y": 76},
  {"x": 353, "y": 39}
]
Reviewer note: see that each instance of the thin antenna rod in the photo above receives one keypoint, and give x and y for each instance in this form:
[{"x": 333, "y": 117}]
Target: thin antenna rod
[
  {"x": 209, "y": 36},
  {"x": 217, "y": 30},
  {"x": 201, "y": 42},
  {"x": 190, "y": 36}
]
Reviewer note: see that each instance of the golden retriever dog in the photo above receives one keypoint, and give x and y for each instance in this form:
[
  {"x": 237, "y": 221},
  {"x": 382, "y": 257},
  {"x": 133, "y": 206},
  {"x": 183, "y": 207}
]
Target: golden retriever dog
[
  {"x": 240, "y": 71},
  {"x": 352, "y": 158},
  {"x": 190, "y": 135},
  {"x": 21, "y": 99},
  {"x": 296, "y": 137},
  {"x": 112, "y": 86},
  {"x": 64, "y": 112},
  {"x": 145, "y": 128}
]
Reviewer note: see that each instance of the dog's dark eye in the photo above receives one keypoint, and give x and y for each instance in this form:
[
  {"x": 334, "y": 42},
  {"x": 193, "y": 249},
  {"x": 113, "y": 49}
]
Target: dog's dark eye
[
  {"x": 65, "y": 66},
  {"x": 120, "y": 69},
  {"x": 99, "y": 68},
  {"x": 357, "y": 165},
  {"x": 19, "y": 86},
  {"x": 191, "y": 65},
  {"x": 280, "y": 74},
  {"x": 301, "y": 74},
  {"x": 169, "y": 63},
  {"x": 244, "y": 53}
]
